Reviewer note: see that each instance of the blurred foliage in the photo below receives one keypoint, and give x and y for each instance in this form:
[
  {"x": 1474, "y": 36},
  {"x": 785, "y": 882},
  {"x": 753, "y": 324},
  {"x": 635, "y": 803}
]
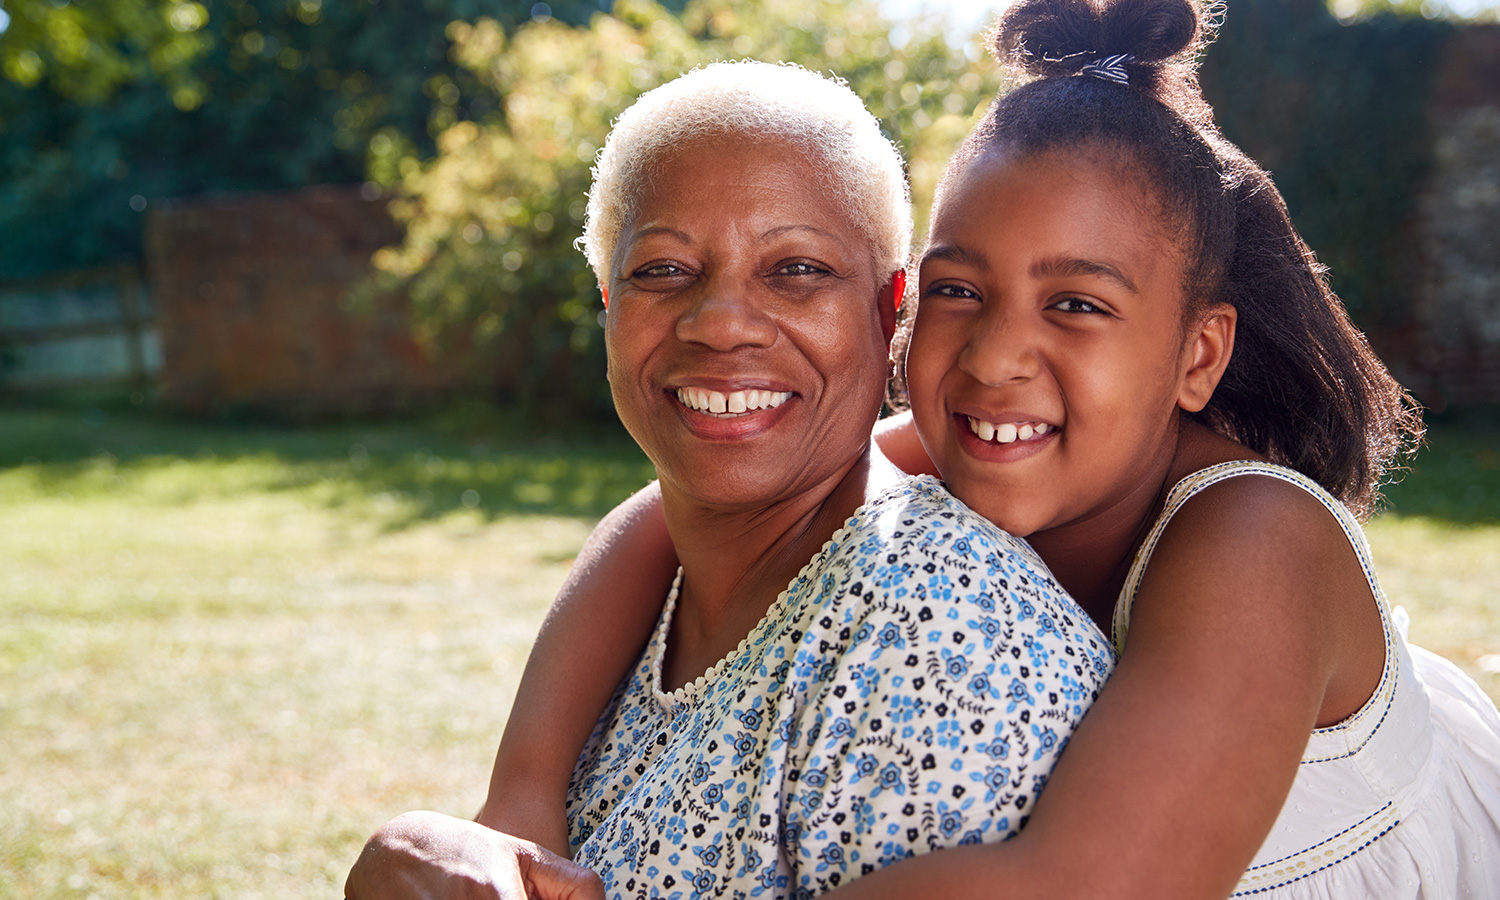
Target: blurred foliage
[
  {"x": 84, "y": 51},
  {"x": 1337, "y": 112},
  {"x": 108, "y": 107},
  {"x": 491, "y": 220},
  {"x": 481, "y": 118}
]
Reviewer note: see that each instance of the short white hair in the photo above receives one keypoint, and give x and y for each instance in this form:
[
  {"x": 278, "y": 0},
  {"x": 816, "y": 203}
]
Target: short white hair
[{"x": 861, "y": 168}]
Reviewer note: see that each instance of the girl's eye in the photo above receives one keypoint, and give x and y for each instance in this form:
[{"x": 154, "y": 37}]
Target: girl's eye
[
  {"x": 1076, "y": 305},
  {"x": 955, "y": 291}
]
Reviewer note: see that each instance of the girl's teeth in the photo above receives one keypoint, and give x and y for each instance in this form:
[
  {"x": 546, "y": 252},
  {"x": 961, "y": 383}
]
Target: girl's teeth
[
  {"x": 1007, "y": 432},
  {"x": 733, "y": 403}
]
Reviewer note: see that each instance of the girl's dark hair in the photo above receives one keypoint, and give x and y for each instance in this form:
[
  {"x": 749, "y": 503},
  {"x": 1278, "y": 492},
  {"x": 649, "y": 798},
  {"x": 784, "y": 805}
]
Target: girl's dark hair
[{"x": 1302, "y": 387}]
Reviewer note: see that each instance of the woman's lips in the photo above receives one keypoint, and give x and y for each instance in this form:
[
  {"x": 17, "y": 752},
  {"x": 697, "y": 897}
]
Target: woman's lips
[{"x": 728, "y": 404}]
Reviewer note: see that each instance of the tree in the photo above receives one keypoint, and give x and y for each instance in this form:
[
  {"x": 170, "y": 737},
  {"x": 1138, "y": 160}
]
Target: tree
[
  {"x": 86, "y": 50},
  {"x": 109, "y": 106}
]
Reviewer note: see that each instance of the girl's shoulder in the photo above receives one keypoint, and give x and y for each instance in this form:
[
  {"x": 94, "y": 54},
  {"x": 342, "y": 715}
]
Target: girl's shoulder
[
  {"x": 1256, "y": 555},
  {"x": 1252, "y": 522},
  {"x": 1235, "y": 508}
]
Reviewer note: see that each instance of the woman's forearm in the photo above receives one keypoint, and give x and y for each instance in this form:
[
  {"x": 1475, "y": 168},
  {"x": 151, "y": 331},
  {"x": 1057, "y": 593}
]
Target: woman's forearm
[{"x": 594, "y": 631}]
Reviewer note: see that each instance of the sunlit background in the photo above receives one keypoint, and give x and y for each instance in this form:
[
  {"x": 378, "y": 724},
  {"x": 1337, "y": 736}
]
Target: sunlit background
[{"x": 301, "y": 409}]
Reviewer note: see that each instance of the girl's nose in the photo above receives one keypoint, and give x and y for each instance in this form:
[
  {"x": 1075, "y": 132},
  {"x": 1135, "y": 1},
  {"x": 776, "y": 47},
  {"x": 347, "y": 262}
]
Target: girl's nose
[
  {"x": 726, "y": 316},
  {"x": 1001, "y": 349}
]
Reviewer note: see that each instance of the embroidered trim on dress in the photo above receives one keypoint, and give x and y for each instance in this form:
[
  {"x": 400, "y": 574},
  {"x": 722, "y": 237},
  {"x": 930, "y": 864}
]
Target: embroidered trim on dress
[{"x": 1308, "y": 862}]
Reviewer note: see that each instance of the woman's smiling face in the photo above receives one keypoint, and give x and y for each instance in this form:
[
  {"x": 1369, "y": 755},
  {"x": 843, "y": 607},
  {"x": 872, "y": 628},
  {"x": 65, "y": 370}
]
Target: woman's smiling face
[
  {"x": 747, "y": 349},
  {"x": 1047, "y": 358}
]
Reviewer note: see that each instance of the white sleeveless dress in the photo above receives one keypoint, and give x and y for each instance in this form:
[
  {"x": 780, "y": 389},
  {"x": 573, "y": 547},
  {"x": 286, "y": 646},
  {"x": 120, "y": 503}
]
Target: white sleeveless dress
[{"x": 1400, "y": 800}]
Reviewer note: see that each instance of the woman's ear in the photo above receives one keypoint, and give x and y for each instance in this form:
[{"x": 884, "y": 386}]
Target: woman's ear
[
  {"x": 1205, "y": 356},
  {"x": 889, "y": 302}
]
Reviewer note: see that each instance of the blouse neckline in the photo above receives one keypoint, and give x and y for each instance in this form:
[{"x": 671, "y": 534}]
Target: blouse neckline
[{"x": 775, "y": 613}]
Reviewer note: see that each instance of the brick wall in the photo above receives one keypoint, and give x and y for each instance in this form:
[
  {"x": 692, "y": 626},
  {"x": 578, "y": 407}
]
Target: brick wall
[
  {"x": 1453, "y": 356},
  {"x": 251, "y": 294}
]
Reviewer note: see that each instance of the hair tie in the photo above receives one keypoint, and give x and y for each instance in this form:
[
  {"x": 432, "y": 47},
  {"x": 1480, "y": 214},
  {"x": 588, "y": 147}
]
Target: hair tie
[{"x": 1110, "y": 68}]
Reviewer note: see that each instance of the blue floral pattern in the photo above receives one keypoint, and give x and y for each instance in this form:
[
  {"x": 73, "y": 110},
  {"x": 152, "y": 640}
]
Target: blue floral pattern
[{"x": 910, "y": 690}]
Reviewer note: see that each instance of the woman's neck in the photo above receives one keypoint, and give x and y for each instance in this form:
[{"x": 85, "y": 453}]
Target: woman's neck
[{"x": 736, "y": 562}]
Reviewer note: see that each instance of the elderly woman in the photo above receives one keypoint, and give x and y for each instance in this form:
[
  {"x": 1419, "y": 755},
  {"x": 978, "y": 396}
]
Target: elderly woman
[{"x": 851, "y": 667}]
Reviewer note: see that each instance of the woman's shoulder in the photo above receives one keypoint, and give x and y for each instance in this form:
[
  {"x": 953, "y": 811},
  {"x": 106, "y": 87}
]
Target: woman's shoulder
[
  {"x": 918, "y": 547},
  {"x": 921, "y": 508}
]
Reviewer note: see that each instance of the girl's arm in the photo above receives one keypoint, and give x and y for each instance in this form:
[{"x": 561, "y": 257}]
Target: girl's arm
[
  {"x": 594, "y": 632},
  {"x": 896, "y": 436},
  {"x": 1253, "y": 622}
]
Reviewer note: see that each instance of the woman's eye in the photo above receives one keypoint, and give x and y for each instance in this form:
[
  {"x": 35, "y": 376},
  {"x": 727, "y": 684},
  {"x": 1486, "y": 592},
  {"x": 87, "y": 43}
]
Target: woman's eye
[
  {"x": 801, "y": 268},
  {"x": 1076, "y": 305},
  {"x": 657, "y": 270}
]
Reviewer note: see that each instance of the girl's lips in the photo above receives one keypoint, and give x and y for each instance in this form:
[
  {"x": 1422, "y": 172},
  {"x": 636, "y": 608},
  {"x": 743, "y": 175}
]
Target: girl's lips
[
  {"x": 1012, "y": 438},
  {"x": 1007, "y": 432}
]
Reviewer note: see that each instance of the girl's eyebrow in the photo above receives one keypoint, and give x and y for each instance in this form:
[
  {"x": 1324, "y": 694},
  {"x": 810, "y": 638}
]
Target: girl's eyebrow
[
  {"x": 1072, "y": 267},
  {"x": 956, "y": 254},
  {"x": 1053, "y": 267}
]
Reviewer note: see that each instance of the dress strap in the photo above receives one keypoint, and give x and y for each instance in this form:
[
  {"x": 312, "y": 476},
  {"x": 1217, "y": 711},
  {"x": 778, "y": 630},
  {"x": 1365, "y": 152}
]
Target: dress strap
[{"x": 1188, "y": 487}]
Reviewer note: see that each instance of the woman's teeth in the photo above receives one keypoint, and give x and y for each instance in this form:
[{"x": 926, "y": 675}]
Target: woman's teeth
[
  {"x": 733, "y": 403},
  {"x": 1007, "y": 432}
]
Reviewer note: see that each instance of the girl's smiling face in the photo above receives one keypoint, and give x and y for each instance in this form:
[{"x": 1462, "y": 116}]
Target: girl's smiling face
[{"x": 1050, "y": 353}]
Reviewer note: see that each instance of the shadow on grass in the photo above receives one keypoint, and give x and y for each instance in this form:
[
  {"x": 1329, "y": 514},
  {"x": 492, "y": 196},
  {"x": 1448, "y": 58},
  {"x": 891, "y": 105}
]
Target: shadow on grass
[
  {"x": 472, "y": 458},
  {"x": 495, "y": 463}
]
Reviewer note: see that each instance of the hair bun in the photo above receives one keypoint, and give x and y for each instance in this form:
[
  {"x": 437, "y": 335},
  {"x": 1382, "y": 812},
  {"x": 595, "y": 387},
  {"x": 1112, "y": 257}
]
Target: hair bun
[{"x": 1050, "y": 38}]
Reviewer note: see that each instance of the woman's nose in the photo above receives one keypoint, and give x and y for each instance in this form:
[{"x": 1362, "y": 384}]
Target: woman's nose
[
  {"x": 726, "y": 316},
  {"x": 1001, "y": 349}
]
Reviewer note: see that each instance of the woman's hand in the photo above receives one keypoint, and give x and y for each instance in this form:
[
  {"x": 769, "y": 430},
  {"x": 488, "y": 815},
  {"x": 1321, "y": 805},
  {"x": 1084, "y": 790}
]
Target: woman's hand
[{"x": 427, "y": 855}]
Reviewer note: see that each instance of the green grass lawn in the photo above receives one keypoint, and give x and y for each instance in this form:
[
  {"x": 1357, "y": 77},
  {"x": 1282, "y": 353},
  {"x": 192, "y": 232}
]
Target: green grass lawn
[{"x": 228, "y": 652}]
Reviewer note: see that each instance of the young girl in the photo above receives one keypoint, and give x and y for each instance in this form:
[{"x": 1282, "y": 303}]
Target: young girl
[{"x": 1125, "y": 353}]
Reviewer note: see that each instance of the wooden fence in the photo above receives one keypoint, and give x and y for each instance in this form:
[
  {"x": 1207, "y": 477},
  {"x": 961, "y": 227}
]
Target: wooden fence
[{"x": 89, "y": 329}]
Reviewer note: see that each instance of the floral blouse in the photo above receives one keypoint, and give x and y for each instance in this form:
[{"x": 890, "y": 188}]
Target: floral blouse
[{"x": 910, "y": 690}]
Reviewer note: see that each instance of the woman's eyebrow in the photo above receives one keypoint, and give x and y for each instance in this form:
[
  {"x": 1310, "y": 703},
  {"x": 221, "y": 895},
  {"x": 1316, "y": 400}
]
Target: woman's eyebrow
[
  {"x": 654, "y": 230},
  {"x": 780, "y": 230},
  {"x": 1072, "y": 267}
]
